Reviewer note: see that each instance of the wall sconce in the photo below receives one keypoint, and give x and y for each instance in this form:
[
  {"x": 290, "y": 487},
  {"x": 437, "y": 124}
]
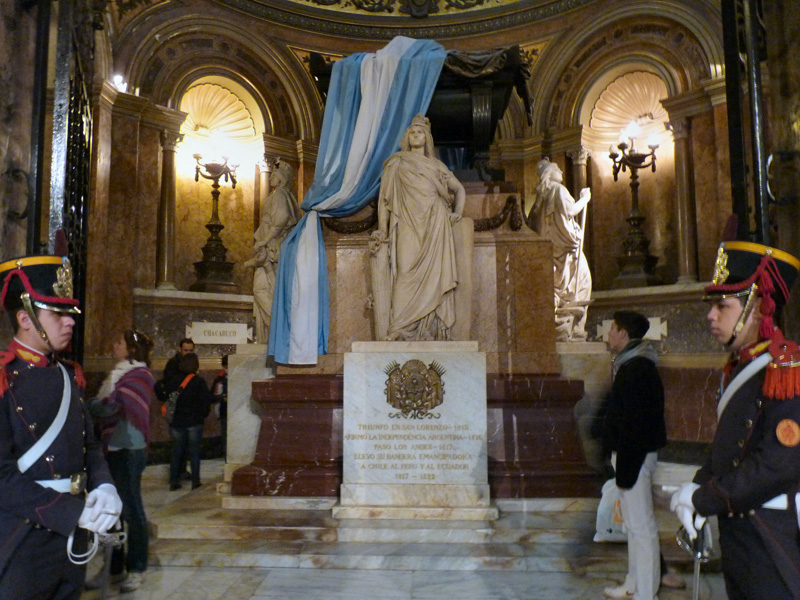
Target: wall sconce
[
  {"x": 119, "y": 83},
  {"x": 637, "y": 265}
]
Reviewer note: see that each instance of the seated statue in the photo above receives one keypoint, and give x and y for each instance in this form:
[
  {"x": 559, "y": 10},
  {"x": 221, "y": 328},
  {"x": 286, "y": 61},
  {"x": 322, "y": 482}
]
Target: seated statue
[
  {"x": 420, "y": 200},
  {"x": 554, "y": 217},
  {"x": 279, "y": 214}
]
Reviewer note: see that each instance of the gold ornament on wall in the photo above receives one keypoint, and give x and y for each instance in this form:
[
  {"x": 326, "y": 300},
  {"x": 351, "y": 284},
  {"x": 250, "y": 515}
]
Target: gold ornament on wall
[
  {"x": 414, "y": 389},
  {"x": 211, "y": 107}
]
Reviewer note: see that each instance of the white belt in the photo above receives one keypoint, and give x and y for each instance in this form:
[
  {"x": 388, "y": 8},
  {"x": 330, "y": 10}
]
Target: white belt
[
  {"x": 63, "y": 486},
  {"x": 781, "y": 502}
]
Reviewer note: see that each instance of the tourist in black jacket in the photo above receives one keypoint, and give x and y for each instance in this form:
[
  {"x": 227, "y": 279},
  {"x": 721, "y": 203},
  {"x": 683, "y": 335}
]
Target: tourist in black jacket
[
  {"x": 186, "y": 427},
  {"x": 634, "y": 431}
]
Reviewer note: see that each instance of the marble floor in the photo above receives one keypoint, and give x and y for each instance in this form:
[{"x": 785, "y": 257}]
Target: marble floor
[{"x": 537, "y": 550}]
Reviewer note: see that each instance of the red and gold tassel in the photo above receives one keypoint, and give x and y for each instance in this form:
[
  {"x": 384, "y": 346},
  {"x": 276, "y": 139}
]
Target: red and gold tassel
[{"x": 782, "y": 379}]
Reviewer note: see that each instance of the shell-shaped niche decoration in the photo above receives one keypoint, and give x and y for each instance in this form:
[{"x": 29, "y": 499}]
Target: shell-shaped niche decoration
[
  {"x": 634, "y": 96},
  {"x": 211, "y": 107}
]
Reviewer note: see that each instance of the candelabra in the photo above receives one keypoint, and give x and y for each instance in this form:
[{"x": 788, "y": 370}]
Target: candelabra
[
  {"x": 637, "y": 265},
  {"x": 214, "y": 272}
]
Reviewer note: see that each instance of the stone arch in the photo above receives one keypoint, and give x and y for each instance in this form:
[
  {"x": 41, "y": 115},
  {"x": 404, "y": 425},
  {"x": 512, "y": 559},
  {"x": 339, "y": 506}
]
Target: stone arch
[
  {"x": 670, "y": 45},
  {"x": 167, "y": 59}
]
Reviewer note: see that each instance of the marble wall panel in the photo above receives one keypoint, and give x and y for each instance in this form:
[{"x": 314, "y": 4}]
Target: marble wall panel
[
  {"x": 690, "y": 402},
  {"x": 712, "y": 184},
  {"x": 165, "y": 320},
  {"x": 525, "y": 311},
  {"x": 95, "y": 332},
  {"x": 146, "y": 218},
  {"x": 687, "y": 330},
  {"x": 484, "y": 304},
  {"x": 124, "y": 198},
  {"x": 351, "y": 318}
]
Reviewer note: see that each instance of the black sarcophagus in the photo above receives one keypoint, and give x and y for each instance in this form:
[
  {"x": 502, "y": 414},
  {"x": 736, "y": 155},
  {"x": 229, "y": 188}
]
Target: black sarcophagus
[{"x": 471, "y": 96}]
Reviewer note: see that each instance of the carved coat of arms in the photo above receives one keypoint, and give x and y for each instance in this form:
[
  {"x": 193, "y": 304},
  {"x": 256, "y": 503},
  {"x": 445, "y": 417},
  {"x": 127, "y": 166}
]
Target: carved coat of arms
[{"x": 414, "y": 389}]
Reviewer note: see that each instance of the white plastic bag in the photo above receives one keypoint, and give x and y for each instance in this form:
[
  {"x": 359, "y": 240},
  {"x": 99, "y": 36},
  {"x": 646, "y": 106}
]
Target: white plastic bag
[{"x": 610, "y": 524}]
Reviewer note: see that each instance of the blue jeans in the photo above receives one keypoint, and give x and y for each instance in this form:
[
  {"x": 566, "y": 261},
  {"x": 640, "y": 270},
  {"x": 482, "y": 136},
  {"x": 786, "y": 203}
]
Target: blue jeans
[
  {"x": 126, "y": 468},
  {"x": 183, "y": 436}
]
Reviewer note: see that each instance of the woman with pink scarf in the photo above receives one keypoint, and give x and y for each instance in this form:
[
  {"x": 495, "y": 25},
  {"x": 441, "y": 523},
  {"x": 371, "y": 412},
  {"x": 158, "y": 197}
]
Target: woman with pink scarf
[{"x": 122, "y": 407}]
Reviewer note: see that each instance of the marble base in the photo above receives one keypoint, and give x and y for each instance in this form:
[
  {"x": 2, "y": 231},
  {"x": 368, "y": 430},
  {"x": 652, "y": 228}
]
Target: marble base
[
  {"x": 298, "y": 452},
  {"x": 592, "y": 363},
  {"x": 415, "y": 513},
  {"x": 278, "y": 503},
  {"x": 403, "y": 464},
  {"x": 415, "y": 495},
  {"x": 244, "y": 418}
]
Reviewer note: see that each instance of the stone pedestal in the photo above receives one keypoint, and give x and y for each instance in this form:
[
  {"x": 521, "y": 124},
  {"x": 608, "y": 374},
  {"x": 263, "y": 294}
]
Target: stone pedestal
[
  {"x": 592, "y": 363},
  {"x": 298, "y": 452},
  {"x": 414, "y": 433},
  {"x": 512, "y": 310},
  {"x": 247, "y": 365},
  {"x": 533, "y": 447}
]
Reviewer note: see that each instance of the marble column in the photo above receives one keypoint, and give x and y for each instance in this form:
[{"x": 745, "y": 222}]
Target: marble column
[
  {"x": 580, "y": 159},
  {"x": 684, "y": 201},
  {"x": 306, "y": 164},
  {"x": 165, "y": 250},
  {"x": 264, "y": 171}
]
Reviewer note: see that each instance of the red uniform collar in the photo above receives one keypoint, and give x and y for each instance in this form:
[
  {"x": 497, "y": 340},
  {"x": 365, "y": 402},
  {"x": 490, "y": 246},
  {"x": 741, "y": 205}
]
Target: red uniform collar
[
  {"x": 751, "y": 351},
  {"x": 28, "y": 354}
]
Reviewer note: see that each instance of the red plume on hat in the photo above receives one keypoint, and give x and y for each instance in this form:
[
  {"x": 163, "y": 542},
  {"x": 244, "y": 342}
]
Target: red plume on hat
[{"x": 770, "y": 273}]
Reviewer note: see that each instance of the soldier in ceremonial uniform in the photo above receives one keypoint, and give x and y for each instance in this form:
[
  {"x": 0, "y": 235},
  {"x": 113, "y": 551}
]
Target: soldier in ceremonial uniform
[
  {"x": 752, "y": 476},
  {"x": 49, "y": 458}
]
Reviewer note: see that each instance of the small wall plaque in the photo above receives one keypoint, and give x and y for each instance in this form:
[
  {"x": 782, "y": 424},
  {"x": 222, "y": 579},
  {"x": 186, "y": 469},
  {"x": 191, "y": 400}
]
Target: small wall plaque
[{"x": 219, "y": 333}]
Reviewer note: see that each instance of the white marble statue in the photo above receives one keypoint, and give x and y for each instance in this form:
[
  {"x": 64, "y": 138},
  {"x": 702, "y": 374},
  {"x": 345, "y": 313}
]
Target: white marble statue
[
  {"x": 555, "y": 217},
  {"x": 279, "y": 214},
  {"x": 420, "y": 201}
]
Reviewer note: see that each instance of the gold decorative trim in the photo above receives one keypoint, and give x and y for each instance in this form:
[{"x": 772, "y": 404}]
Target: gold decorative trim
[
  {"x": 720, "y": 267},
  {"x": 414, "y": 389},
  {"x": 63, "y": 285},
  {"x": 211, "y": 107},
  {"x": 763, "y": 250},
  {"x": 632, "y": 97}
]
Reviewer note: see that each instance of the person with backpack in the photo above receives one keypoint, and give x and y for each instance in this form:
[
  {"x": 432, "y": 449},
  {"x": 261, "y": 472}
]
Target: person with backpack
[{"x": 192, "y": 405}]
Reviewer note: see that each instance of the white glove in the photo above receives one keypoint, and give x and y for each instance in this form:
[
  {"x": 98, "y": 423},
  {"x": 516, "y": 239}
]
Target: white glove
[
  {"x": 102, "y": 510},
  {"x": 681, "y": 504}
]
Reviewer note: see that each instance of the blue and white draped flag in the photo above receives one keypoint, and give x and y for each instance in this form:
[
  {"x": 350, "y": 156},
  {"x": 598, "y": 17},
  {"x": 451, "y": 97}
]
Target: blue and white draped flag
[{"x": 371, "y": 101}]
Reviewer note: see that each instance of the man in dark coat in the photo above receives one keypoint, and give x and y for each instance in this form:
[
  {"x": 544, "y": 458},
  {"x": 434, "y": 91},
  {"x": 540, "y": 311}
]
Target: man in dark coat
[
  {"x": 634, "y": 431},
  {"x": 48, "y": 454},
  {"x": 172, "y": 376},
  {"x": 751, "y": 477}
]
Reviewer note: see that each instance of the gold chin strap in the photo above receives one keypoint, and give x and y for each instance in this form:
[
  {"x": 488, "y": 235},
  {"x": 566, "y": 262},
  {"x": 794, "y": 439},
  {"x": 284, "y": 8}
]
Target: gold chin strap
[
  {"x": 26, "y": 302},
  {"x": 748, "y": 308}
]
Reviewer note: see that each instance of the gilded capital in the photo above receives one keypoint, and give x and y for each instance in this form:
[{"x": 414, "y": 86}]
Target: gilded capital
[
  {"x": 679, "y": 128},
  {"x": 579, "y": 156},
  {"x": 170, "y": 139}
]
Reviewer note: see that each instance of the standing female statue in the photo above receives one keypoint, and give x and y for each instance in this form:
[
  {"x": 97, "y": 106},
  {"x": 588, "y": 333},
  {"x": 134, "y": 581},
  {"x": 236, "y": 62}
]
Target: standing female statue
[
  {"x": 416, "y": 214},
  {"x": 279, "y": 213},
  {"x": 555, "y": 213}
]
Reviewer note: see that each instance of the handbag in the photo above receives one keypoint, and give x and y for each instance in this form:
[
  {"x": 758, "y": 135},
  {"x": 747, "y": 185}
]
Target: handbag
[
  {"x": 610, "y": 525},
  {"x": 172, "y": 399}
]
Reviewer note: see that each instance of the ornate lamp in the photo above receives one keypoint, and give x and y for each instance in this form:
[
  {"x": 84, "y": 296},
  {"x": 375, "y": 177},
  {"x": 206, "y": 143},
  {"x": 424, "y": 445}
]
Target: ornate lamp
[
  {"x": 637, "y": 265},
  {"x": 214, "y": 273}
]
